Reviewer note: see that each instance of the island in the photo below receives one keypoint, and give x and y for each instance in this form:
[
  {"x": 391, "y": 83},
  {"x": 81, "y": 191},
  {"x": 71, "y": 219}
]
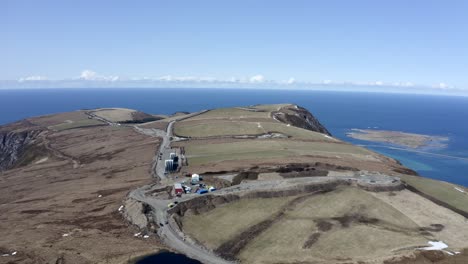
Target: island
[
  {"x": 409, "y": 140},
  {"x": 248, "y": 184}
]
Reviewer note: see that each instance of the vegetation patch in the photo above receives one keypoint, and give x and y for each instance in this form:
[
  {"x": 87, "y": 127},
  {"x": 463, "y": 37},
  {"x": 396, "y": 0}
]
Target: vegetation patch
[
  {"x": 222, "y": 224},
  {"x": 311, "y": 240},
  {"x": 442, "y": 193}
]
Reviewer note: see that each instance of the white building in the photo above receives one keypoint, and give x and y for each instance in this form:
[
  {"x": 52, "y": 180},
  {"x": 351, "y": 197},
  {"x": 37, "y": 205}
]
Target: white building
[{"x": 195, "y": 179}]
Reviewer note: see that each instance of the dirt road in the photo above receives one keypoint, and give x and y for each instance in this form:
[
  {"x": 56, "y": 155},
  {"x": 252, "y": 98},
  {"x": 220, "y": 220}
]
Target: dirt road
[{"x": 170, "y": 234}]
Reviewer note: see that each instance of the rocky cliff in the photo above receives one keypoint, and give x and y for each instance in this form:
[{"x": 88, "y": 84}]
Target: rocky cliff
[
  {"x": 14, "y": 140},
  {"x": 300, "y": 117}
]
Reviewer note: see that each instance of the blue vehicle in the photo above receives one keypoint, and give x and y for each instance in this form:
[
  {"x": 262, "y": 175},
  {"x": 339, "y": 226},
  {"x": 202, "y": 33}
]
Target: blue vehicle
[{"x": 202, "y": 191}]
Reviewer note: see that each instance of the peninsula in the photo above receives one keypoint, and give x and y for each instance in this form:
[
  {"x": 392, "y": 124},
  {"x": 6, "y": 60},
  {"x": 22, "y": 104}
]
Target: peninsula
[{"x": 250, "y": 184}]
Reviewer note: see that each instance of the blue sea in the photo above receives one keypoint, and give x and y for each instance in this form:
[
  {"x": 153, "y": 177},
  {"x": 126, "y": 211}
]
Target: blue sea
[{"x": 338, "y": 111}]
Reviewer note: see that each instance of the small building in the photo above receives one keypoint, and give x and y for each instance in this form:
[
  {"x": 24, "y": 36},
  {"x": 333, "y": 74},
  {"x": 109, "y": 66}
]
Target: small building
[
  {"x": 169, "y": 165},
  {"x": 195, "y": 179},
  {"x": 172, "y": 155},
  {"x": 178, "y": 190}
]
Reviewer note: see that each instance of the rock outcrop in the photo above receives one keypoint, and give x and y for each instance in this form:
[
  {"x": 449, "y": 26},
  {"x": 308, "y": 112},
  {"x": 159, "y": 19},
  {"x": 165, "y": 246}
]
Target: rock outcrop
[
  {"x": 300, "y": 117},
  {"x": 14, "y": 143}
]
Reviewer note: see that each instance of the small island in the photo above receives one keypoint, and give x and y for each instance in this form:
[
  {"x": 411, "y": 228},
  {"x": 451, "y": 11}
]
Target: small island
[{"x": 409, "y": 140}]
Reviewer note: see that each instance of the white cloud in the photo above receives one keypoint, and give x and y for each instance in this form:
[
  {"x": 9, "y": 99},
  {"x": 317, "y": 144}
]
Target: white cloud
[
  {"x": 89, "y": 75},
  {"x": 257, "y": 79},
  {"x": 170, "y": 78},
  {"x": 291, "y": 81},
  {"x": 442, "y": 86},
  {"x": 33, "y": 78},
  {"x": 403, "y": 84}
]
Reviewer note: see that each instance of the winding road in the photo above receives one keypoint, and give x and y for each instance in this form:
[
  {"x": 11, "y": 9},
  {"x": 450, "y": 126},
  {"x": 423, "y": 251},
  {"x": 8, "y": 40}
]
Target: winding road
[
  {"x": 170, "y": 236},
  {"x": 168, "y": 231}
]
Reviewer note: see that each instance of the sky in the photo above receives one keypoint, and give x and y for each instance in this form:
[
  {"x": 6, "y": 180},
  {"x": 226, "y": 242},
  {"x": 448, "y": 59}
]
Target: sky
[{"x": 375, "y": 43}]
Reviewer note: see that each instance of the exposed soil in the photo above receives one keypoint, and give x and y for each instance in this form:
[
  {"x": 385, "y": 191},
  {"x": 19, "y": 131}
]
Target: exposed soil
[
  {"x": 323, "y": 225},
  {"x": 433, "y": 228},
  {"x": 245, "y": 175},
  {"x": 271, "y": 164},
  {"x": 311, "y": 240},
  {"x": 348, "y": 219}
]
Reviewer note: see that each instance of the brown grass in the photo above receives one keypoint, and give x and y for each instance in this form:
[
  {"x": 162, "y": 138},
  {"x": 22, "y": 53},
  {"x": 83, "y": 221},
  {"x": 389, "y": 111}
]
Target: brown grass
[{"x": 41, "y": 202}]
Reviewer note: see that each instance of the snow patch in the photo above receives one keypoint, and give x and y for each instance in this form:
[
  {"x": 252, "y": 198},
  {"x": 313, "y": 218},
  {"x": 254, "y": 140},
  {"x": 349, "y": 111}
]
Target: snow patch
[
  {"x": 460, "y": 190},
  {"x": 137, "y": 234},
  {"x": 65, "y": 235},
  {"x": 121, "y": 208},
  {"x": 14, "y": 253},
  {"x": 435, "y": 245},
  {"x": 41, "y": 160},
  {"x": 145, "y": 236},
  {"x": 99, "y": 196}
]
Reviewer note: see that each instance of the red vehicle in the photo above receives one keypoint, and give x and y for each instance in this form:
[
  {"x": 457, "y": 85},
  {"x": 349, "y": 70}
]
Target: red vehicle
[{"x": 178, "y": 190}]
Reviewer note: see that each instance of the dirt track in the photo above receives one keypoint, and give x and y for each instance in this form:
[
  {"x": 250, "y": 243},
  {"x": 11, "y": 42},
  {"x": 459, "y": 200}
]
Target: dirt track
[{"x": 169, "y": 231}]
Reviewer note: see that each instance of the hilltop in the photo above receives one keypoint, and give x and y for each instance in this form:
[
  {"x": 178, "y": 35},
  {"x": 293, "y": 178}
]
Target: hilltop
[{"x": 90, "y": 187}]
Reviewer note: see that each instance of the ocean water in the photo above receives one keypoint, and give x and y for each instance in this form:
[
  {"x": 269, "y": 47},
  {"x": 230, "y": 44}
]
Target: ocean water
[{"x": 338, "y": 111}]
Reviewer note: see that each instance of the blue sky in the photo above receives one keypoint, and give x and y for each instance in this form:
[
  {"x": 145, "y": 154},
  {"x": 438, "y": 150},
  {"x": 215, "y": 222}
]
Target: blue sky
[{"x": 371, "y": 42}]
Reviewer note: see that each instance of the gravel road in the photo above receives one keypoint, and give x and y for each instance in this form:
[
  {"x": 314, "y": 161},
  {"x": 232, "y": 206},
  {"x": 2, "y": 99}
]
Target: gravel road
[{"x": 171, "y": 235}]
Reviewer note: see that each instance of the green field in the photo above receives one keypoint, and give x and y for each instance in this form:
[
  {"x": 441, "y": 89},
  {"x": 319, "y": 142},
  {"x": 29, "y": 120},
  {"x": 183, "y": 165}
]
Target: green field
[
  {"x": 217, "y": 128},
  {"x": 223, "y": 223},
  {"x": 76, "y": 124},
  {"x": 442, "y": 191},
  {"x": 213, "y": 128},
  {"x": 224, "y": 113},
  {"x": 284, "y": 241},
  {"x": 270, "y": 108},
  {"x": 200, "y": 153},
  {"x": 373, "y": 228}
]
